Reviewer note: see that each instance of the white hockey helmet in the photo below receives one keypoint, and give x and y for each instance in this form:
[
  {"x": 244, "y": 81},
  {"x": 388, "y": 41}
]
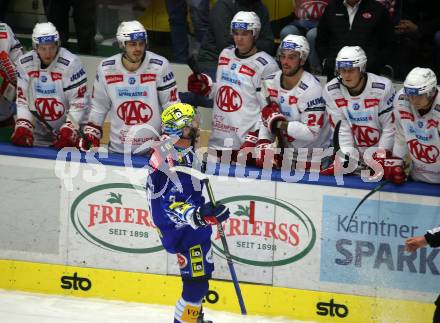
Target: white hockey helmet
[
  {"x": 419, "y": 81},
  {"x": 295, "y": 43},
  {"x": 246, "y": 20},
  {"x": 351, "y": 56},
  {"x": 130, "y": 31},
  {"x": 45, "y": 33}
]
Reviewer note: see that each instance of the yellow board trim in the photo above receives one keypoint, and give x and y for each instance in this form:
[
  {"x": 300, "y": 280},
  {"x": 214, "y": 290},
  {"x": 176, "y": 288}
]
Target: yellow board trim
[{"x": 165, "y": 290}]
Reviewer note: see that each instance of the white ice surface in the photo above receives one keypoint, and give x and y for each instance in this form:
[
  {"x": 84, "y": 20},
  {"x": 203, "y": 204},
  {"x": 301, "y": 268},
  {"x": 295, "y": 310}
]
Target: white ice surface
[{"x": 20, "y": 307}]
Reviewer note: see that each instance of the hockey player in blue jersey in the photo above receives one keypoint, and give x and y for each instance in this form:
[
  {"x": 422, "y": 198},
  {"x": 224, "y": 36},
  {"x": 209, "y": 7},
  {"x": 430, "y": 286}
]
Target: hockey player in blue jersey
[{"x": 179, "y": 211}]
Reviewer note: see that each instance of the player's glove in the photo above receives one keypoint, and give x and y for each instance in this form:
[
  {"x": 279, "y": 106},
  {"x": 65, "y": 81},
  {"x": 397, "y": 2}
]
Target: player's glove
[
  {"x": 23, "y": 133},
  {"x": 248, "y": 146},
  {"x": 393, "y": 170},
  {"x": 67, "y": 136},
  {"x": 265, "y": 149},
  {"x": 199, "y": 84},
  {"x": 92, "y": 137},
  {"x": 207, "y": 214},
  {"x": 270, "y": 115}
]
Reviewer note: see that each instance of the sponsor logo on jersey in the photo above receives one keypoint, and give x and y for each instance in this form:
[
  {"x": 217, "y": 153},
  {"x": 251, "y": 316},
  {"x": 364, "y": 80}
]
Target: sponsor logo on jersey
[
  {"x": 81, "y": 91},
  {"x": 155, "y": 61},
  {"x": 63, "y": 61},
  {"x": 46, "y": 89},
  {"x": 402, "y": 97},
  {"x": 3, "y": 35},
  {"x": 56, "y": 76},
  {"x": 360, "y": 117},
  {"x": 26, "y": 59},
  {"x": 367, "y": 15},
  {"x": 356, "y": 106},
  {"x": 317, "y": 101},
  {"x": 246, "y": 70},
  {"x": 293, "y": 99},
  {"x": 406, "y": 115},
  {"x": 50, "y": 109},
  {"x": 109, "y": 62},
  {"x": 270, "y": 77},
  {"x": 226, "y": 77},
  {"x": 228, "y": 100},
  {"x": 420, "y": 124},
  {"x": 148, "y": 78},
  {"x": 273, "y": 92},
  {"x": 378, "y": 85},
  {"x": 303, "y": 86},
  {"x": 432, "y": 124},
  {"x": 437, "y": 107},
  {"x": 365, "y": 136},
  {"x": 134, "y": 112},
  {"x": 114, "y": 78},
  {"x": 168, "y": 77},
  {"x": 131, "y": 92},
  {"x": 43, "y": 78},
  {"x": 34, "y": 74},
  {"x": 341, "y": 102},
  {"x": 369, "y": 103},
  {"x": 2, "y": 26},
  {"x": 181, "y": 261},
  {"x": 334, "y": 86},
  {"x": 131, "y": 80},
  {"x": 196, "y": 259},
  {"x": 233, "y": 66},
  {"x": 77, "y": 75},
  {"x": 223, "y": 60},
  {"x": 425, "y": 153},
  {"x": 262, "y": 61}
]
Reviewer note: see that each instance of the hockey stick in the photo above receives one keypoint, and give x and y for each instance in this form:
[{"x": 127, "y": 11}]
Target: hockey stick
[
  {"x": 204, "y": 178},
  {"x": 374, "y": 190}
]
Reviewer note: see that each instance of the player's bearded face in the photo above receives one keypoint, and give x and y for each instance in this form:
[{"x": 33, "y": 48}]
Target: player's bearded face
[
  {"x": 351, "y": 77},
  {"x": 243, "y": 40},
  {"x": 47, "y": 52},
  {"x": 290, "y": 62},
  {"x": 135, "y": 50}
]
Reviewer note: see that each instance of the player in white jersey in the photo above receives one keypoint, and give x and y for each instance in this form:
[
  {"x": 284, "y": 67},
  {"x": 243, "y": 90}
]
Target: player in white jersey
[
  {"x": 51, "y": 92},
  {"x": 363, "y": 104},
  {"x": 134, "y": 87},
  {"x": 236, "y": 109},
  {"x": 417, "y": 112},
  {"x": 10, "y": 51},
  {"x": 297, "y": 109}
]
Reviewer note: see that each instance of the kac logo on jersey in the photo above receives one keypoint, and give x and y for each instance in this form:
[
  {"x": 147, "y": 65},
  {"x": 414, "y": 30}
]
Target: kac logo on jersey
[
  {"x": 50, "y": 109},
  {"x": 366, "y": 136},
  {"x": 134, "y": 112},
  {"x": 228, "y": 100},
  {"x": 425, "y": 153},
  {"x": 131, "y": 80}
]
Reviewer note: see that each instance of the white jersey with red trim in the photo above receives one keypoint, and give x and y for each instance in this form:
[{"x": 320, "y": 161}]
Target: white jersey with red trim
[
  {"x": 366, "y": 119},
  {"x": 419, "y": 137},
  {"x": 11, "y": 45},
  {"x": 54, "y": 91},
  {"x": 237, "y": 106},
  {"x": 135, "y": 100},
  {"x": 304, "y": 109}
]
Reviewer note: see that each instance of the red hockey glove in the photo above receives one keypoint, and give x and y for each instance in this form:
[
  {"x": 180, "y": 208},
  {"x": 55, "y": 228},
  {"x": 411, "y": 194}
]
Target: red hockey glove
[
  {"x": 393, "y": 170},
  {"x": 270, "y": 115},
  {"x": 67, "y": 136},
  {"x": 199, "y": 84},
  {"x": 92, "y": 137},
  {"x": 248, "y": 146},
  {"x": 23, "y": 133},
  {"x": 265, "y": 149},
  {"x": 207, "y": 214}
]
